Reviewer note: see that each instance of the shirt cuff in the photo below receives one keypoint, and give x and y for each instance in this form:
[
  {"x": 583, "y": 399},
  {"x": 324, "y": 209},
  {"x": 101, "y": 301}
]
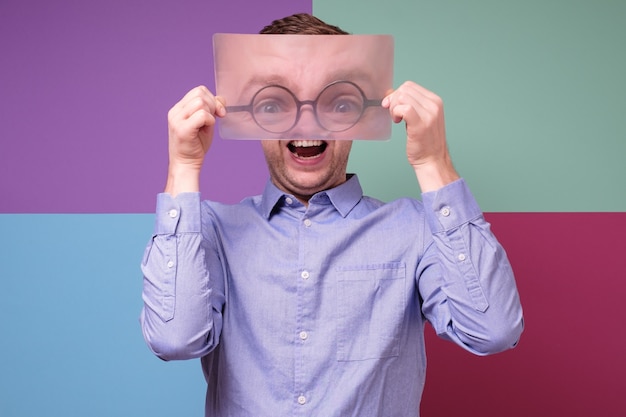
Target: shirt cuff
[
  {"x": 177, "y": 215},
  {"x": 450, "y": 207}
]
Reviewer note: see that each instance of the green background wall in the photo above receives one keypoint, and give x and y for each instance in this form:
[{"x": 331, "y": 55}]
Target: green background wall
[{"x": 534, "y": 93}]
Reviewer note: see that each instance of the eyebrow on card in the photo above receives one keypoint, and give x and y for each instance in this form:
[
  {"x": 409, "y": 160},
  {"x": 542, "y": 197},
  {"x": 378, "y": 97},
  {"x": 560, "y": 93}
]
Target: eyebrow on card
[{"x": 262, "y": 80}]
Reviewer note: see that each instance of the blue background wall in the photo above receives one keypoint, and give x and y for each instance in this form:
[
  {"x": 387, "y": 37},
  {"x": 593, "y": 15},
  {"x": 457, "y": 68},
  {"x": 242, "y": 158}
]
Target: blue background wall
[{"x": 534, "y": 95}]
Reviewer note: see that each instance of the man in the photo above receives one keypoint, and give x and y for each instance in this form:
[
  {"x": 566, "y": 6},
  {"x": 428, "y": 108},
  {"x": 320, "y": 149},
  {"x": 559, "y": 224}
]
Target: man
[{"x": 311, "y": 298}]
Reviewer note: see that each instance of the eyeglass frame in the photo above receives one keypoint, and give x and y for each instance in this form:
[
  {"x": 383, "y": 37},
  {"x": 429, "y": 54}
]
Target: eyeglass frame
[{"x": 300, "y": 103}]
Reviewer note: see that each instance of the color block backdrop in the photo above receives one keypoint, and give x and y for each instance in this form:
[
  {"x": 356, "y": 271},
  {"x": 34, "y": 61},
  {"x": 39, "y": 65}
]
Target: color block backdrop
[{"x": 534, "y": 95}]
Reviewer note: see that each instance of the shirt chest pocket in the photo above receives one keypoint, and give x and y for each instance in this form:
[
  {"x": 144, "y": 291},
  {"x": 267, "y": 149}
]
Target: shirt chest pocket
[{"x": 370, "y": 310}]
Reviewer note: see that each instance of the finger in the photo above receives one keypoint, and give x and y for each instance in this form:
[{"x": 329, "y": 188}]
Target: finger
[
  {"x": 190, "y": 117},
  {"x": 403, "y": 106},
  {"x": 220, "y": 106},
  {"x": 196, "y": 99},
  {"x": 399, "y": 112},
  {"x": 418, "y": 90},
  {"x": 200, "y": 119},
  {"x": 410, "y": 92},
  {"x": 413, "y": 103}
]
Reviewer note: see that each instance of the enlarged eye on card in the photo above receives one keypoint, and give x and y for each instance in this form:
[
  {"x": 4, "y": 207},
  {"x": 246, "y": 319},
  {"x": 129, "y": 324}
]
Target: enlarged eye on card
[{"x": 326, "y": 87}]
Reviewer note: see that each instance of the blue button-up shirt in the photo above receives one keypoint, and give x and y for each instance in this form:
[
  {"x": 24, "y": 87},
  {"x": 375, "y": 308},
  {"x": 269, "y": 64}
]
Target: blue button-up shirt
[{"x": 319, "y": 310}]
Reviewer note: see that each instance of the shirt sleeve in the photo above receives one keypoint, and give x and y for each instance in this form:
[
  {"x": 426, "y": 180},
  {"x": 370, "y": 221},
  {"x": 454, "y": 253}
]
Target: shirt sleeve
[
  {"x": 183, "y": 281},
  {"x": 465, "y": 279}
]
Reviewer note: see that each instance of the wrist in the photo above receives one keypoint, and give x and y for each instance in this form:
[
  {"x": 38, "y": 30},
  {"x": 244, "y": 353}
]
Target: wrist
[
  {"x": 434, "y": 175},
  {"x": 182, "y": 178}
]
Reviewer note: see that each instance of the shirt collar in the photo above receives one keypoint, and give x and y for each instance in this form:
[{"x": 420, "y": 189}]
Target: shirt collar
[{"x": 343, "y": 197}]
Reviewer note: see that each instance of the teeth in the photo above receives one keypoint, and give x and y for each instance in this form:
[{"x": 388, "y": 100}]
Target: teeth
[{"x": 306, "y": 143}]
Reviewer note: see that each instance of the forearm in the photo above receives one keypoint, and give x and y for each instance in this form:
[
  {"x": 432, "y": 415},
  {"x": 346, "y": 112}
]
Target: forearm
[
  {"x": 469, "y": 290},
  {"x": 181, "y": 317}
]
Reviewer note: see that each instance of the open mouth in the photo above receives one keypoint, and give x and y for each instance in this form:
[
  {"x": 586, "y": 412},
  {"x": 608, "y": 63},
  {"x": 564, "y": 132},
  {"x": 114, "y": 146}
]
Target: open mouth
[{"x": 307, "y": 149}]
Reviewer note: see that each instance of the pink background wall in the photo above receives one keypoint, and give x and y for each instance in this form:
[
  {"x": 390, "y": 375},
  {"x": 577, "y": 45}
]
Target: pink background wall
[{"x": 570, "y": 269}]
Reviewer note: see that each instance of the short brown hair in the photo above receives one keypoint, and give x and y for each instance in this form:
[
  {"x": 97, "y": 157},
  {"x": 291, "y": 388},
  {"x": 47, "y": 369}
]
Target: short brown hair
[{"x": 301, "y": 24}]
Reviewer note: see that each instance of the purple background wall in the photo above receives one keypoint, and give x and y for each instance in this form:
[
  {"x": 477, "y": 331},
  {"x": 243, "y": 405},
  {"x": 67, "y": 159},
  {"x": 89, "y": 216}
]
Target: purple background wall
[{"x": 85, "y": 90}]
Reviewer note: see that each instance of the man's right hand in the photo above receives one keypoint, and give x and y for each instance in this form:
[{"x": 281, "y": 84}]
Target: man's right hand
[{"x": 191, "y": 124}]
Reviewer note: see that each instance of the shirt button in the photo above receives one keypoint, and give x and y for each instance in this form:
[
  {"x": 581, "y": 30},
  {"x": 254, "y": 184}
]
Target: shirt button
[
  {"x": 288, "y": 200},
  {"x": 302, "y": 400},
  {"x": 461, "y": 257},
  {"x": 170, "y": 264},
  {"x": 445, "y": 212},
  {"x": 173, "y": 213},
  {"x": 308, "y": 223},
  {"x": 303, "y": 335},
  {"x": 305, "y": 274}
]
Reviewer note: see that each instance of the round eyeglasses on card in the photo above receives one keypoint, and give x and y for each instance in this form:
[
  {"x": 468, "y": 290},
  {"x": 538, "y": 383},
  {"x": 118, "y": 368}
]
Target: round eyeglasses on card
[{"x": 338, "y": 107}]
